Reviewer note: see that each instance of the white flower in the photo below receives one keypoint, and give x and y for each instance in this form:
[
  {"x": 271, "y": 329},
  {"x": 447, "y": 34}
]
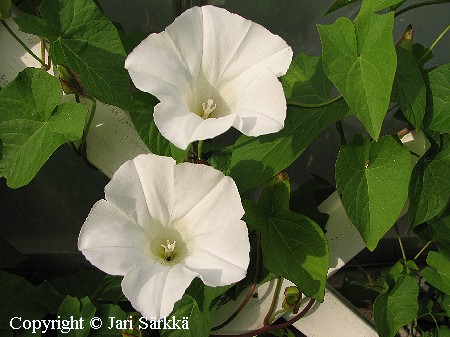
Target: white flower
[
  {"x": 161, "y": 226},
  {"x": 211, "y": 70}
]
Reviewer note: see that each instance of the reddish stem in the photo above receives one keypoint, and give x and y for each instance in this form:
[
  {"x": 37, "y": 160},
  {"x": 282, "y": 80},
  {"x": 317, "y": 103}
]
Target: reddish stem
[{"x": 273, "y": 327}]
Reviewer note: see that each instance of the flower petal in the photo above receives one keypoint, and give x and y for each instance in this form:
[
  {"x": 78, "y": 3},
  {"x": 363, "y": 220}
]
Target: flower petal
[
  {"x": 142, "y": 188},
  {"x": 193, "y": 182},
  {"x": 165, "y": 64},
  {"x": 182, "y": 127},
  {"x": 260, "y": 104},
  {"x": 111, "y": 240},
  {"x": 234, "y": 46},
  {"x": 221, "y": 257},
  {"x": 153, "y": 288},
  {"x": 218, "y": 207}
]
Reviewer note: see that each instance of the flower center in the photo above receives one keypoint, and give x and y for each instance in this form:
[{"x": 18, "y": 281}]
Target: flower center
[
  {"x": 208, "y": 107},
  {"x": 168, "y": 250}
]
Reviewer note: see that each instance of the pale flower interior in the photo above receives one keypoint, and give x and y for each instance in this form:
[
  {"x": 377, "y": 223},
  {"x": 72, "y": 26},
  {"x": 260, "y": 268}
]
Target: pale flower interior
[
  {"x": 165, "y": 245},
  {"x": 205, "y": 100}
]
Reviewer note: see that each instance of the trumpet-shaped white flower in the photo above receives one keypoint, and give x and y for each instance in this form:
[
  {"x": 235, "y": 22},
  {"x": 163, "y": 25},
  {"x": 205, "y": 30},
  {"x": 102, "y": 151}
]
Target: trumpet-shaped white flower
[
  {"x": 161, "y": 225},
  {"x": 211, "y": 70}
]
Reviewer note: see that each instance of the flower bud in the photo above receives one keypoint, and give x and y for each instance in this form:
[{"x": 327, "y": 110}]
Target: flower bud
[
  {"x": 292, "y": 297},
  {"x": 406, "y": 40},
  {"x": 69, "y": 81}
]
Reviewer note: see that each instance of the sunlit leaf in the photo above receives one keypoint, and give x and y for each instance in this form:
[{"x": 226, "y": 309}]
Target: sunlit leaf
[
  {"x": 33, "y": 126},
  {"x": 293, "y": 246},
  {"x": 372, "y": 179},
  {"x": 360, "y": 60}
]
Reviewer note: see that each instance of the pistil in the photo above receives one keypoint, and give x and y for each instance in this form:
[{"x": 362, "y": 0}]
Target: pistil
[
  {"x": 208, "y": 108},
  {"x": 168, "y": 250}
]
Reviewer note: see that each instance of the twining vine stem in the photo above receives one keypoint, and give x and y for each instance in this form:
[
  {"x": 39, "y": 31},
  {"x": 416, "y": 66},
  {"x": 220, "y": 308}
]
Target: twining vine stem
[
  {"x": 273, "y": 327},
  {"x": 422, "y": 250},
  {"x": 252, "y": 287},
  {"x": 434, "y": 43},
  {"x": 421, "y": 4},
  {"x": 200, "y": 149},
  {"x": 400, "y": 242},
  {"x": 10, "y": 31},
  {"x": 274, "y": 302},
  {"x": 312, "y": 105},
  {"x": 88, "y": 124}
]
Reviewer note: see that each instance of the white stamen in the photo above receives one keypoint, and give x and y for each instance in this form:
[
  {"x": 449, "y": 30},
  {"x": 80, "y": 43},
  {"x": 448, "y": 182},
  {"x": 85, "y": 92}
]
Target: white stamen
[
  {"x": 208, "y": 108},
  {"x": 168, "y": 249}
]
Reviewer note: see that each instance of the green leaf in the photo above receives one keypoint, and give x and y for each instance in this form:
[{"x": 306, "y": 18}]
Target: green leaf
[
  {"x": 419, "y": 51},
  {"x": 437, "y": 273},
  {"x": 372, "y": 179},
  {"x": 221, "y": 160},
  {"x": 429, "y": 189},
  {"x": 49, "y": 297},
  {"x": 409, "y": 89},
  {"x": 437, "y": 117},
  {"x": 9, "y": 256},
  {"x": 32, "y": 126},
  {"x": 444, "y": 331},
  {"x": 198, "y": 307},
  {"x": 305, "y": 80},
  {"x": 440, "y": 228},
  {"x": 17, "y": 297},
  {"x": 360, "y": 60},
  {"x": 339, "y": 4},
  {"x": 309, "y": 196},
  {"x": 376, "y": 5},
  {"x": 5, "y": 9},
  {"x": 110, "y": 315},
  {"x": 93, "y": 283},
  {"x": 293, "y": 246},
  {"x": 396, "y": 307},
  {"x": 149, "y": 133},
  {"x": 446, "y": 304},
  {"x": 256, "y": 159},
  {"x": 74, "y": 309},
  {"x": 83, "y": 39}
]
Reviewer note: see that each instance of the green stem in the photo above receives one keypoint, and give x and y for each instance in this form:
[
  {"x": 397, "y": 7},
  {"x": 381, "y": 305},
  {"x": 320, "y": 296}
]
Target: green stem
[
  {"x": 422, "y": 250},
  {"x": 274, "y": 301},
  {"x": 434, "y": 43},
  {"x": 89, "y": 122},
  {"x": 276, "y": 313},
  {"x": 46, "y": 67},
  {"x": 317, "y": 105},
  {"x": 366, "y": 274},
  {"x": 400, "y": 242},
  {"x": 23, "y": 44},
  {"x": 199, "y": 149},
  {"x": 421, "y": 4}
]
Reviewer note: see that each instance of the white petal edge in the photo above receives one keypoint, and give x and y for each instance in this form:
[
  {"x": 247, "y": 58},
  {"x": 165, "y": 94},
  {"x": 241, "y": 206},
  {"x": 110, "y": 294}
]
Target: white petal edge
[
  {"x": 192, "y": 183},
  {"x": 221, "y": 257},
  {"x": 125, "y": 191},
  {"x": 181, "y": 127},
  {"x": 154, "y": 175},
  {"x": 112, "y": 241},
  {"x": 153, "y": 288},
  {"x": 234, "y": 45},
  {"x": 260, "y": 104},
  {"x": 220, "y": 206},
  {"x": 155, "y": 67}
]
